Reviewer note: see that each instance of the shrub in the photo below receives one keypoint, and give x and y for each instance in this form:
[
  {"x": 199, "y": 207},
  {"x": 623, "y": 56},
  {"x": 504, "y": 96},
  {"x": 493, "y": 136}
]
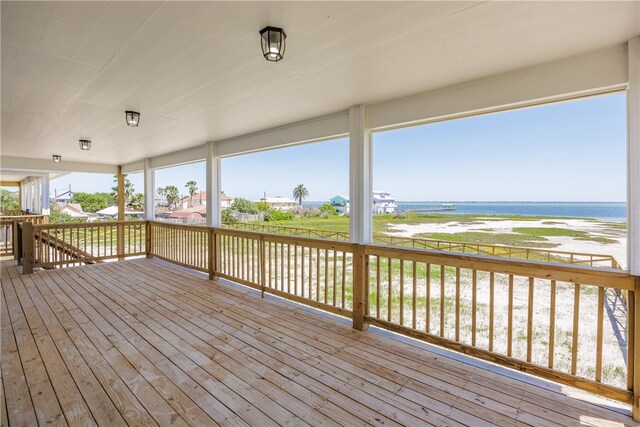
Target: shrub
[
  {"x": 227, "y": 217},
  {"x": 244, "y": 206},
  {"x": 328, "y": 209},
  {"x": 276, "y": 215}
]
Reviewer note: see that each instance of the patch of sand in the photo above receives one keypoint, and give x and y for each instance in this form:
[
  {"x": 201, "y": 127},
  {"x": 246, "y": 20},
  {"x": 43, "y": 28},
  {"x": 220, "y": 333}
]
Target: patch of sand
[{"x": 597, "y": 229}]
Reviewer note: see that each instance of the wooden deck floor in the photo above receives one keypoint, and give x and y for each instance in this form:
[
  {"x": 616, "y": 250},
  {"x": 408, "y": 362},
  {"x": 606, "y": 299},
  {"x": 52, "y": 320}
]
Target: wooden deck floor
[{"x": 144, "y": 343}]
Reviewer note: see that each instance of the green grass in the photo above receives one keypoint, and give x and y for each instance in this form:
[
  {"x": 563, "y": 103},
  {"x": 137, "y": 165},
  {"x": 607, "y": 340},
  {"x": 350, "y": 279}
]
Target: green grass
[
  {"x": 542, "y": 232},
  {"x": 491, "y": 238},
  {"x": 598, "y": 239}
]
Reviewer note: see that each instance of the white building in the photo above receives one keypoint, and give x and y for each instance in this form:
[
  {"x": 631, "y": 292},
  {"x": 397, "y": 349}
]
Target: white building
[
  {"x": 280, "y": 203},
  {"x": 383, "y": 202}
]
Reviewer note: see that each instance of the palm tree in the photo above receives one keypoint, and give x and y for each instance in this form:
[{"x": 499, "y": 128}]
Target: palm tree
[
  {"x": 300, "y": 192},
  {"x": 129, "y": 190},
  {"x": 170, "y": 192},
  {"x": 137, "y": 201},
  {"x": 192, "y": 186}
]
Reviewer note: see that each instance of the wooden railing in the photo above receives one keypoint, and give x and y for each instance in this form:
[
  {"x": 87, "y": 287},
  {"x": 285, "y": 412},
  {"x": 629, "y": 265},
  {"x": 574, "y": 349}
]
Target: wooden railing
[
  {"x": 556, "y": 321},
  {"x": 517, "y": 252},
  {"x": 63, "y": 245},
  {"x": 544, "y": 319},
  {"x": 9, "y": 237}
]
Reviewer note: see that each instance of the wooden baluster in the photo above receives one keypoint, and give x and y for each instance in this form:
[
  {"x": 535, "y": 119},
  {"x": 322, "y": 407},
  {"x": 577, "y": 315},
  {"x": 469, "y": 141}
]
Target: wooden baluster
[
  {"x": 390, "y": 289},
  {"x": 326, "y": 276},
  {"x": 457, "y": 304},
  {"x": 442, "y": 278},
  {"x": 335, "y": 270},
  {"x": 295, "y": 263},
  {"x": 474, "y": 305},
  {"x": 510, "y": 318},
  {"x": 378, "y": 286},
  {"x": 600, "y": 325},
  {"x": 344, "y": 276},
  {"x": 302, "y": 264},
  {"x": 427, "y": 291},
  {"x": 318, "y": 275},
  {"x": 576, "y": 318},
  {"x": 310, "y": 272},
  {"x": 491, "y": 308},
  {"x": 414, "y": 295},
  {"x": 552, "y": 323},
  {"x": 289, "y": 268},
  {"x": 530, "y": 320},
  {"x": 402, "y": 292}
]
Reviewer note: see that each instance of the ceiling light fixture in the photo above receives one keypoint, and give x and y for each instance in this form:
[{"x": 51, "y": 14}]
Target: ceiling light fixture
[
  {"x": 85, "y": 144},
  {"x": 57, "y": 158},
  {"x": 273, "y": 43},
  {"x": 133, "y": 118}
]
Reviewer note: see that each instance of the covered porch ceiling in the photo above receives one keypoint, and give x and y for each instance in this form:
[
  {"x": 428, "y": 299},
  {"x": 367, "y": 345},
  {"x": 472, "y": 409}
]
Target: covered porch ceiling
[{"x": 195, "y": 71}]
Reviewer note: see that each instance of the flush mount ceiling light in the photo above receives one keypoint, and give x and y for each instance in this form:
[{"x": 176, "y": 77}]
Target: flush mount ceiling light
[
  {"x": 85, "y": 144},
  {"x": 133, "y": 118},
  {"x": 273, "y": 43},
  {"x": 57, "y": 158}
]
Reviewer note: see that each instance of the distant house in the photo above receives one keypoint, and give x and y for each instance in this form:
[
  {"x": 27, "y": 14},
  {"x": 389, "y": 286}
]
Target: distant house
[
  {"x": 383, "y": 202},
  {"x": 341, "y": 203},
  {"x": 112, "y": 212},
  {"x": 200, "y": 199},
  {"x": 280, "y": 203},
  {"x": 62, "y": 197},
  {"x": 74, "y": 210}
]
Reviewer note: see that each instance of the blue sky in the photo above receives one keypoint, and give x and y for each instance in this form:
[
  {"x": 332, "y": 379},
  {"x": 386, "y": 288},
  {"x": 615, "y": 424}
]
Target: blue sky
[{"x": 572, "y": 151}]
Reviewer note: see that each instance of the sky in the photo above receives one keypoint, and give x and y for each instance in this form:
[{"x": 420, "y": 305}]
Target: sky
[{"x": 571, "y": 151}]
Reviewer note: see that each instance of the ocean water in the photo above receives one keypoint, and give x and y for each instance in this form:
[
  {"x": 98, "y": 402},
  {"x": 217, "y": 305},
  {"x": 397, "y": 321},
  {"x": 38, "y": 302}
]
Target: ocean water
[
  {"x": 614, "y": 212},
  {"x": 601, "y": 211}
]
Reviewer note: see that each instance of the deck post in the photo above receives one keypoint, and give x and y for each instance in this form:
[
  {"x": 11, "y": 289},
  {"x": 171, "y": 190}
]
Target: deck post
[
  {"x": 211, "y": 253},
  {"x": 148, "y": 239},
  {"x": 213, "y": 185},
  {"x": 15, "y": 235},
  {"x": 633, "y": 157},
  {"x": 121, "y": 205},
  {"x": 27, "y": 247},
  {"x": 149, "y": 191},
  {"x": 359, "y": 287}
]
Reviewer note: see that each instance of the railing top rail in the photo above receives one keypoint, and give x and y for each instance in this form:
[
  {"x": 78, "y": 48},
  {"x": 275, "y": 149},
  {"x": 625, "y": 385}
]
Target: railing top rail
[
  {"x": 15, "y": 217},
  {"x": 86, "y": 224},
  {"x": 586, "y": 275},
  {"x": 196, "y": 227}
]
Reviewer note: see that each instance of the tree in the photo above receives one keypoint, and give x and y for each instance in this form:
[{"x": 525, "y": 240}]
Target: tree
[
  {"x": 129, "y": 191},
  {"x": 137, "y": 202},
  {"x": 300, "y": 192},
  {"x": 244, "y": 206},
  {"x": 192, "y": 186},
  {"x": 9, "y": 200},
  {"x": 92, "y": 202},
  {"x": 170, "y": 192}
]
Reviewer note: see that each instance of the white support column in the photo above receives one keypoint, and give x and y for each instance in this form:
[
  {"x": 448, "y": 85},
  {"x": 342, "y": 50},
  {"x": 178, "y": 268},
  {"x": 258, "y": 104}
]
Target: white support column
[
  {"x": 213, "y": 185},
  {"x": 45, "y": 208},
  {"x": 360, "y": 175},
  {"x": 633, "y": 158},
  {"x": 149, "y": 191},
  {"x": 37, "y": 190}
]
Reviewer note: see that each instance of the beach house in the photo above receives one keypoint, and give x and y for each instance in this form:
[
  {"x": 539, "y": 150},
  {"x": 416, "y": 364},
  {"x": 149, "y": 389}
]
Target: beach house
[
  {"x": 341, "y": 204},
  {"x": 200, "y": 199},
  {"x": 382, "y": 202},
  {"x": 144, "y": 322},
  {"x": 279, "y": 203}
]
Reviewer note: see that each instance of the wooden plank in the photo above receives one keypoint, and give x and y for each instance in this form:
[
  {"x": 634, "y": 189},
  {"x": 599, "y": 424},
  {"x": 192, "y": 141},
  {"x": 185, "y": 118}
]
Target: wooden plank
[
  {"x": 530, "y": 320},
  {"x": 510, "y": 318},
  {"x": 240, "y": 316}
]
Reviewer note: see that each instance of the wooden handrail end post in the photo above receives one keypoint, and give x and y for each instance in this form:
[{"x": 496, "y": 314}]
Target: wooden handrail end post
[
  {"x": 148, "y": 240},
  {"x": 359, "y": 287},
  {"x": 27, "y": 247},
  {"x": 211, "y": 253}
]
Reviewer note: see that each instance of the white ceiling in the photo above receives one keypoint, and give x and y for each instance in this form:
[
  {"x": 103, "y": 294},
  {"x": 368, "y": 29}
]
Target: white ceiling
[{"x": 195, "y": 70}]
